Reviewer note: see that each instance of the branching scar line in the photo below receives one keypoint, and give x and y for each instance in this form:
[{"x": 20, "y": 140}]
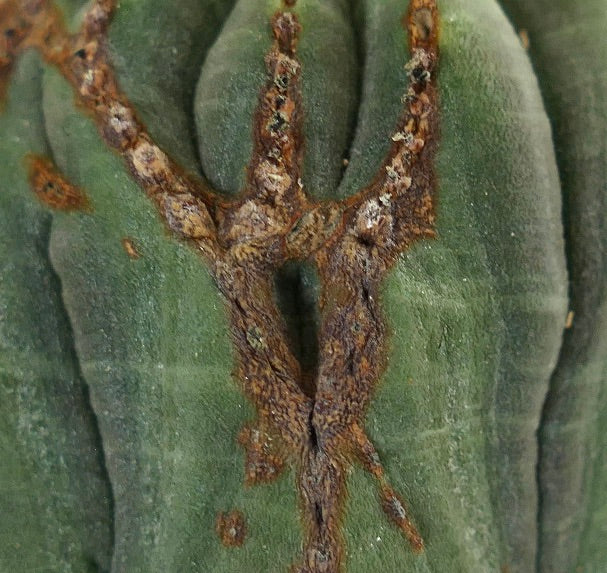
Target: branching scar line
[{"x": 352, "y": 243}]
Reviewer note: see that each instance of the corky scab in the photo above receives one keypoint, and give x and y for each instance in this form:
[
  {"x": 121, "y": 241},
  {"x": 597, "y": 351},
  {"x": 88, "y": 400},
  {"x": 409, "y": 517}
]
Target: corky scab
[
  {"x": 254, "y": 229},
  {"x": 275, "y": 169},
  {"x": 185, "y": 215},
  {"x": 264, "y": 460},
  {"x": 316, "y": 426},
  {"x": 313, "y": 230},
  {"x": 52, "y": 188},
  {"x": 394, "y": 508},
  {"x": 231, "y": 528},
  {"x": 149, "y": 161},
  {"x": 122, "y": 129}
]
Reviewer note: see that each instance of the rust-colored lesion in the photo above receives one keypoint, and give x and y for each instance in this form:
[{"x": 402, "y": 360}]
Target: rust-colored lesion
[
  {"x": 52, "y": 187},
  {"x": 311, "y": 421},
  {"x": 130, "y": 248},
  {"x": 231, "y": 528}
]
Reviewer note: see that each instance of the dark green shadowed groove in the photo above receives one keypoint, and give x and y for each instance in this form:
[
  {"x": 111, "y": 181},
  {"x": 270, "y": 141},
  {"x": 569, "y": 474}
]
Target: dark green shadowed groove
[
  {"x": 157, "y": 53},
  {"x": 54, "y": 494},
  {"x": 227, "y": 93}
]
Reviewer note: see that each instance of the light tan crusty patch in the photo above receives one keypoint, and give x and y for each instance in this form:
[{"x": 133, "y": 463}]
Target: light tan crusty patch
[
  {"x": 53, "y": 188},
  {"x": 569, "y": 319},
  {"x": 311, "y": 421}
]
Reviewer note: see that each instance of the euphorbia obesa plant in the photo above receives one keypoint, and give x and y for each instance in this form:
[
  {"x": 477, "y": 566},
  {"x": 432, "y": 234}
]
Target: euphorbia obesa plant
[{"x": 285, "y": 284}]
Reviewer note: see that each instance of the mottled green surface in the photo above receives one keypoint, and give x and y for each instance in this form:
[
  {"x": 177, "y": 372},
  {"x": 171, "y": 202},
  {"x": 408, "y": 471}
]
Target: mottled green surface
[
  {"x": 55, "y": 499},
  {"x": 476, "y": 315},
  {"x": 568, "y": 50}
]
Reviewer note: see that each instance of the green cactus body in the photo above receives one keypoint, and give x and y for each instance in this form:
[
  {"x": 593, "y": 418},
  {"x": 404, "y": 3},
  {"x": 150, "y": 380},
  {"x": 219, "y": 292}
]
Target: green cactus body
[
  {"x": 568, "y": 53},
  {"x": 119, "y": 350}
]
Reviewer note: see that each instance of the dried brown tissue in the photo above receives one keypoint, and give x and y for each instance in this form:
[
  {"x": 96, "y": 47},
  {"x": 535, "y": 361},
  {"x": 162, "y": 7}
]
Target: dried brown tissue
[
  {"x": 318, "y": 430},
  {"x": 231, "y": 528},
  {"x": 130, "y": 247},
  {"x": 52, "y": 188}
]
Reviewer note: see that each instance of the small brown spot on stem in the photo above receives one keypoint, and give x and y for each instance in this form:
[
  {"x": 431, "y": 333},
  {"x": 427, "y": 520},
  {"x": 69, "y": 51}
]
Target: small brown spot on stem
[
  {"x": 52, "y": 188},
  {"x": 569, "y": 320},
  {"x": 231, "y": 528},
  {"x": 130, "y": 248},
  {"x": 524, "y": 38},
  {"x": 394, "y": 508}
]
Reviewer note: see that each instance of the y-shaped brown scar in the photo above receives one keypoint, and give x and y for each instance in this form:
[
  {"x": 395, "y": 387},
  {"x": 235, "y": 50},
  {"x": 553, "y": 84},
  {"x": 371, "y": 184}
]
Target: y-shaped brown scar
[{"x": 318, "y": 427}]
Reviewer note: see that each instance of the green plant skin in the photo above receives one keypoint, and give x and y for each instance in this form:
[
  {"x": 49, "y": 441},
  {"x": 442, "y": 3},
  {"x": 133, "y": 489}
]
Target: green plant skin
[
  {"x": 54, "y": 494},
  {"x": 569, "y": 52},
  {"x": 476, "y": 315}
]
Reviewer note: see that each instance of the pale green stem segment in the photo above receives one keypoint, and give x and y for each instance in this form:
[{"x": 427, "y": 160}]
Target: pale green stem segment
[{"x": 568, "y": 50}]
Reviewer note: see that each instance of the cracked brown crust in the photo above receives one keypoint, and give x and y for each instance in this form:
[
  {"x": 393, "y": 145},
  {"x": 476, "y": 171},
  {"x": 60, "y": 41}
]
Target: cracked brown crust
[
  {"x": 52, "y": 188},
  {"x": 318, "y": 426},
  {"x": 231, "y": 528},
  {"x": 265, "y": 456}
]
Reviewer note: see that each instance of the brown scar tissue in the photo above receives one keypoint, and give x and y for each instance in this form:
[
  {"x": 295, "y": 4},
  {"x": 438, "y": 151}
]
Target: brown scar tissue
[{"x": 314, "y": 424}]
